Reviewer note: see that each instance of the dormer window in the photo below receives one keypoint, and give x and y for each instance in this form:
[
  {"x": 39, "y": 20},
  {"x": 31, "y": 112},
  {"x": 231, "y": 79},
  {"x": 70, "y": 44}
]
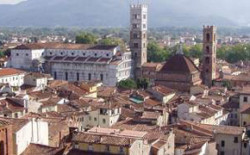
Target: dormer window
[
  {"x": 107, "y": 55},
  {"x": 83, "y": 54},
  {"x": 17, "y": 54},
  {"x": 50, "y": 53},
  {"x": 72, "y": 53},
  {"x": 95, "y": 54},
  {"x": 61, "y": 53}
]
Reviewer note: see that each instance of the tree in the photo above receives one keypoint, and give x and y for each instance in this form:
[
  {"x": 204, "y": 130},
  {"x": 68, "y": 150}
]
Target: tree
[
  {"x": 113, "y": 41},
  {"x": 227, "y": 84},
  {"x": 196, "y": 51},
  {"x": 157, "y": 53},
  {"x": 7, "y": 52},
  {"x": 127, "y": 84},
  {"x": 86, "y": 38},
  {"x": 142, "y": 83},
  {"x": 2, "y": 54}
]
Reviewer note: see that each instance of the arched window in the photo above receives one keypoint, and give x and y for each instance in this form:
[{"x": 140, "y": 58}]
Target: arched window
[
  {"x": 207, "y": 60},
  {"x": 101, "y": 77},
  {"x": 89, "y": 76},
  {"x": 55, "y": 75},
  {"x": 207, "y": 49},
  {"x": 77, "y": 76},
  {"x": 208, "y": 37},
  {"x": 66, "y": 76}
]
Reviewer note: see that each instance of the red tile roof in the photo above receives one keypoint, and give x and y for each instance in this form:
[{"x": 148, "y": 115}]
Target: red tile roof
[
  {"x": 179, "y": 64},
  {"x": 41, "y": 149},
  {"x": 10, "y": 71},
  {"x": 53, "y": 45}
]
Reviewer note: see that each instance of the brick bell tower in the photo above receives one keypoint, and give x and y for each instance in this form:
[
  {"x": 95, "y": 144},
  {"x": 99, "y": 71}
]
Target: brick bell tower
[
  {"x": 138, "y": 35},
  {"x": 209, "y": 55}
]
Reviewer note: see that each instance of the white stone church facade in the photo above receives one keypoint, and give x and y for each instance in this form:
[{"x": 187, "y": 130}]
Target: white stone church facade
[{"x": 75, "y": 62}]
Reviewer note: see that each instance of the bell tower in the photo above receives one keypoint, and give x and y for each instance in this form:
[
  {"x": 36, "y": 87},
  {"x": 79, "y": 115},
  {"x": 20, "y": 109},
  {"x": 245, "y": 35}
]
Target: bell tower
[
  {"x": 209, "y": 55},
  {"x": 138, "y": 34}
]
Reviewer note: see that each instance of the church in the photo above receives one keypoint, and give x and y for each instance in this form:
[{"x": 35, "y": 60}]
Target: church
[{"x": 180, "y": 72}]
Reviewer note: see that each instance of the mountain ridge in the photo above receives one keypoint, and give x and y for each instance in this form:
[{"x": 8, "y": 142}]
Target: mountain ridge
[{"x": 96, "y": 13}]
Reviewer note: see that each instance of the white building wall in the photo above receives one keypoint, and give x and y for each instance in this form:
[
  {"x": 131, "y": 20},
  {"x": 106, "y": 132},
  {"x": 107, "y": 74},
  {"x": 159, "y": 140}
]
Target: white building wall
[
  {"x": 242, "y": 101},
  {"x": 111, "y": 73},
  {"x": 22, "y": 59},
  {"x": 33, "y": 132},
  {"x": 96, "y": 119},
  {"x": 36, "y": 82},
  {"x": 14, "y": 80}
]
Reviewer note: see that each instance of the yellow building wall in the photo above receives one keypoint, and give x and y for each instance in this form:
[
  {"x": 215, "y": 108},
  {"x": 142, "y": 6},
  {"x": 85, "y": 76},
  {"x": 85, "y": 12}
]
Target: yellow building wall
[
  {"x": 91, "y": 95},
  {"x": 102, "y": 148},
  {"x": 245, "y": 118}
]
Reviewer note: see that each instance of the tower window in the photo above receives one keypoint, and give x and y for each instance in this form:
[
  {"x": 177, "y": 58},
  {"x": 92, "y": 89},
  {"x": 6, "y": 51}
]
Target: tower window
[
  {"x": 134, "y": 25},
  {"x": 208, "y": 37},
  {"x": 144, "y": 16},
  {"x": 144, "y": 26},
  {"x": 135, "y": 55},
  {"x": 207, "y": 70},
  {"x": 207, "y": 49},
  {"x": 207, "y": 60},
  {"x": 136, "y": 45},
  {"x": 135, "y": 36},
  {"x": 136, "y": 16},
  {"x": 144, "y": 35}
]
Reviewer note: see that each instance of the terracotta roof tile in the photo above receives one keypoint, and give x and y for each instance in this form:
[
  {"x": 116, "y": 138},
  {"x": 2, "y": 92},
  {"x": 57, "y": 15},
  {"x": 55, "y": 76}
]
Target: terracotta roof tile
[
  {"x": 216, "y": 129},
  {"x": 10, "y": 71},
  {"x": 179, "y": 64},
  {"x": 41, "y": 149}
]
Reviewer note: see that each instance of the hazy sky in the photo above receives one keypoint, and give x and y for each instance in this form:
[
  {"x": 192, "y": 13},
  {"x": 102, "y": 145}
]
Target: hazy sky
[{"x": 10, "y": 1}]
